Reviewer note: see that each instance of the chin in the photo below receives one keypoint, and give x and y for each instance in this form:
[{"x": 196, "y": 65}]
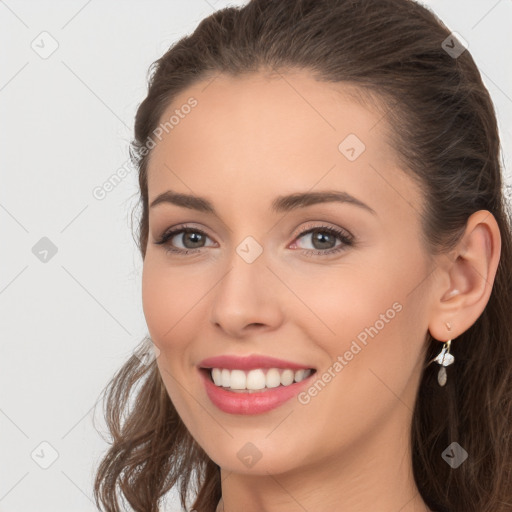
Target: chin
[{"x": 247, "y": 459}]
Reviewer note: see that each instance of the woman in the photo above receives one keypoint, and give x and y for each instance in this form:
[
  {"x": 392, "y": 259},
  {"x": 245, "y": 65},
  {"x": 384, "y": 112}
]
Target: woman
[{"x": 327, "y": 271}]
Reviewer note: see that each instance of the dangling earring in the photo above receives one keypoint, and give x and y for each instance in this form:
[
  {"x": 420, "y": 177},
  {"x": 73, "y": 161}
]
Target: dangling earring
[{"x": 444, "y": 358}]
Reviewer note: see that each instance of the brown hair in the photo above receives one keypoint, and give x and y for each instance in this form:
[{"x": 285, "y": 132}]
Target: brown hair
[{"x": 445, "y": 133}]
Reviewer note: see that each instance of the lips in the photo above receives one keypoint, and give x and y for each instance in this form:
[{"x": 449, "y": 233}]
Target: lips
[
  {"x": 250, "y": 401},
  {"x": 252, "y": 362}
]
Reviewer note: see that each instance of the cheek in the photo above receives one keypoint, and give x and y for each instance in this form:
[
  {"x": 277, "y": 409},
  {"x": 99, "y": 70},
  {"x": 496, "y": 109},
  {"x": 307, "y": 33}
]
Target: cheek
[
  {"x": 338, "y": 304},
  {"x": 165, "y": 299},
  {"x": 168, "y": 309},
  {"x": 155, "y": 297},
  {"x": 366, "y": 319},
  {"x": 173, "y": 300}
]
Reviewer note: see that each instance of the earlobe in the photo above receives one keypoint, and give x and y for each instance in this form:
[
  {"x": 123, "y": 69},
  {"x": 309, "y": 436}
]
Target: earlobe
[{"x": 470, "y": 276}]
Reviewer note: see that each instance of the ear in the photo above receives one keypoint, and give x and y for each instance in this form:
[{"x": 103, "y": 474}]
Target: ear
[{"x": 465, "y": 278}]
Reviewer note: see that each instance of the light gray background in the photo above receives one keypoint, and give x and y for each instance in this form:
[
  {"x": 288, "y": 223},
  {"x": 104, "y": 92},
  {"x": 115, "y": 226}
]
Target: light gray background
[{"x": 69, "y": 323}]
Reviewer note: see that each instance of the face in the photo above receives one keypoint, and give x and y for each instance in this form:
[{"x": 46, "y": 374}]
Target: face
[{"x": 335, "y": 286}]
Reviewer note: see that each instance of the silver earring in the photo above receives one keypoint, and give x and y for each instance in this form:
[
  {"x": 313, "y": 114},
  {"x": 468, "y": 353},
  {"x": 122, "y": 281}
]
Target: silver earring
[{"x": 444, "y": 358}]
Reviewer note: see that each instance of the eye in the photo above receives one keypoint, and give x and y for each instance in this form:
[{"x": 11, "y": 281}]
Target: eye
[
  {"x": 192, "y": 238},
  {"x": 323, "y": 238}
]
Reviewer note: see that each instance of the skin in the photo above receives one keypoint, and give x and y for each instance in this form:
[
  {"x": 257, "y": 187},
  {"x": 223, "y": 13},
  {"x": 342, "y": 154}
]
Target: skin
[{"x": 248, "y": 140}]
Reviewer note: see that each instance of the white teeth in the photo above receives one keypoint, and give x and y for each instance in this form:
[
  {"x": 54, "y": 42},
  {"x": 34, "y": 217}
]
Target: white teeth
[
  {"x": 272, "y": 379},
  {"x": 226, "y": 378},
  {"x": 257, "y": 378},
  {"x": 238, "y": 379},
  {"x": 217, "y": 376},
  {"x": 300, "y": 375},
  {"x": 287, "y": 377}
]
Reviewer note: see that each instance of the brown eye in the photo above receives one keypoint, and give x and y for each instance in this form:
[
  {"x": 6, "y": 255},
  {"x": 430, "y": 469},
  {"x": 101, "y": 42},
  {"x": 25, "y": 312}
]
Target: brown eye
[
  {"x": 192, "y": 240},
  {"x": 324, "y": 238}
]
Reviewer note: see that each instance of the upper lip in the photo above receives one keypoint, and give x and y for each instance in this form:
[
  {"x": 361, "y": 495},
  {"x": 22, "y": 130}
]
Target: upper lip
[{"x": 249, "y": 362}]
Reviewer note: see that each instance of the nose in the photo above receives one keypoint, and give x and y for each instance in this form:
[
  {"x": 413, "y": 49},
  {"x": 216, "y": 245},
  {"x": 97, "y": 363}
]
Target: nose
[{"x": 247, "y": 299}]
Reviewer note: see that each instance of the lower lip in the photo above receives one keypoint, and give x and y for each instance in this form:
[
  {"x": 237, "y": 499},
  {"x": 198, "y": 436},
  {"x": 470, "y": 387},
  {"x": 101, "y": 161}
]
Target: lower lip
[{"x": 250, "y": 403}]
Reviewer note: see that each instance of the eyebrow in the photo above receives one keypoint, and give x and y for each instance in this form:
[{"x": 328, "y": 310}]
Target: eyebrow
[{"x": 279, "y": 204}]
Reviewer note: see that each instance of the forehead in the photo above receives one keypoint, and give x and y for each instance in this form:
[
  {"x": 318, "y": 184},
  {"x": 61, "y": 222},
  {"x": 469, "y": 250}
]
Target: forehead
[
  {"x": 285, "y": 131},
  {"x": 256, "y": 107}
]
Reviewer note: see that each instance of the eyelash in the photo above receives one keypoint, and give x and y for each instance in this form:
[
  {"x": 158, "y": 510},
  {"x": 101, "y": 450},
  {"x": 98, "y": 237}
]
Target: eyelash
[{"x": 345, "y": 237}]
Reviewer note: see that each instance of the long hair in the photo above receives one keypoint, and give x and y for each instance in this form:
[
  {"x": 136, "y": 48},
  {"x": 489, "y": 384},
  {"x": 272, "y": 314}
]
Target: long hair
[{"x": 444, "y": 131}]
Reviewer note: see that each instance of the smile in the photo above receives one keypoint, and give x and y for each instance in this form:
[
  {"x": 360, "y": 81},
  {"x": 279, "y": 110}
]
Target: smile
[
  {"x": 257, "y": 379},
  {"x": 252, "y": 384}
]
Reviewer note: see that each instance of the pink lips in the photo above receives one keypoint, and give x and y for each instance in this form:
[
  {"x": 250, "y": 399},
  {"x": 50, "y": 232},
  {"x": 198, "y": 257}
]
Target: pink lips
[
  {"x": 255, "y": 402},
  {"x": 248, "y": 363}
]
